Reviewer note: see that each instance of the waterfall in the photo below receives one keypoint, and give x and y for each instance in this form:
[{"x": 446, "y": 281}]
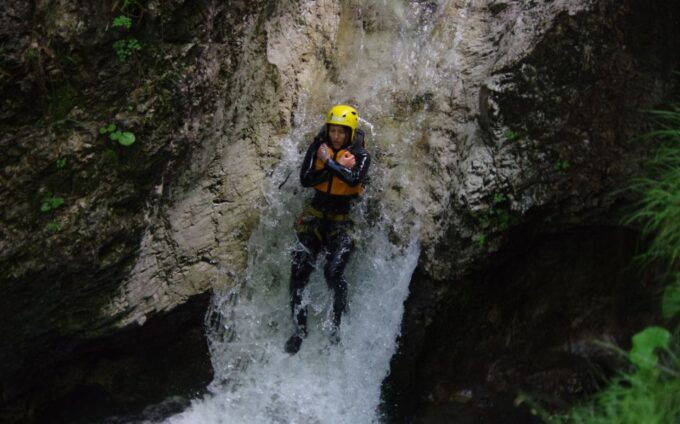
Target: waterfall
[{"x": 255, "y": 381}]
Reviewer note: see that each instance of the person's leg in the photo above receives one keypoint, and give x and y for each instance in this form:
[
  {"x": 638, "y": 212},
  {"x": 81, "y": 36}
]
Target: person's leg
[
  {"x": 339, "y": 250},
  {"x": 302, "y": 265},
  {"x": 301, "y": 268}
]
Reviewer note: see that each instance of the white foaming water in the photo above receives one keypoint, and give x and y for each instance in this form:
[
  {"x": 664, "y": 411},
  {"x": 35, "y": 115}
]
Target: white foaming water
[{"x": 255, "y": 380}]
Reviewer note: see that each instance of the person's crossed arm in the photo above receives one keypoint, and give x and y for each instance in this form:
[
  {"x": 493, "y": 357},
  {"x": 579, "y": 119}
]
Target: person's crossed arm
[{"x": 347, "y": 159}]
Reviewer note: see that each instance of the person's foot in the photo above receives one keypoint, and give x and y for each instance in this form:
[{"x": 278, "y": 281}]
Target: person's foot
[{"x": 294, "y": 342}]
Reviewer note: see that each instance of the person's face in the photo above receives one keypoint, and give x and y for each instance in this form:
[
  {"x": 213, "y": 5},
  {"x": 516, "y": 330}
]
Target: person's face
[{"x": 337, "y": 135}]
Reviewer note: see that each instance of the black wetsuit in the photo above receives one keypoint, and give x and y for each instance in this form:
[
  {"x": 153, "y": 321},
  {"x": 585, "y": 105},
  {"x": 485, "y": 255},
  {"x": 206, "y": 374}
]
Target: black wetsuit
[{"x": 324, "y": 226}]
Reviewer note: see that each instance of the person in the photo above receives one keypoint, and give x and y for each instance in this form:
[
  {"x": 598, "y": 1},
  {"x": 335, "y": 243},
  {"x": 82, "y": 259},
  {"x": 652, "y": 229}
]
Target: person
[{"x": 335, "y": 165}]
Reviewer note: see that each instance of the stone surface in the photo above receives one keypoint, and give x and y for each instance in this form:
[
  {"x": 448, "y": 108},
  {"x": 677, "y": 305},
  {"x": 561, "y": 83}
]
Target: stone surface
[
  {"x": 514, "y": 119},
  {"x": 524, "y": 326}
]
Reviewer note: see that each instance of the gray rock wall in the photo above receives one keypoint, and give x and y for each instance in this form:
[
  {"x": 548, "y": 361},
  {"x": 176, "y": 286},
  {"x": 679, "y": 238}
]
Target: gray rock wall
[
  {"x": 534, "y": 266},
  {"x": 514, "y": 118},
  {"x": 63, "y": 269}
]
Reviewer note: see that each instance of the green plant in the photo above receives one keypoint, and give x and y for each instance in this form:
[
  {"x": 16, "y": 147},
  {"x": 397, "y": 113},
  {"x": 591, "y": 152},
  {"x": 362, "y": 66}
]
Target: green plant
[
  {"x": 61, "y": 163},
  {"x": 126, "y": 48},
  {"x": 32, "y": 53},
  {"x": 54, "y": 226},
  {"x": 562, "y": 165},
  {"x": 499, "y": 198},
  {"x": 643, "y": 353},
  {"x": 512, "y": 135},
  {"x": 51, "y": 203},
  {"x": 670, "y": 302},
  {"x": 122, "y": 21},
  {"x": 497, "y": 217},
  {"x": 658, "y": 211},
  {"x": 126, "y": 138},
  {"x": 480, "y": 239},
  {"x": 649, "y": 391}
]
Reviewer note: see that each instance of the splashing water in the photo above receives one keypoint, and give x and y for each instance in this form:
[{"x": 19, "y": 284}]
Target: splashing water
[
  {"x": 256, "y": 381},
  {"x": 370, "y": 126}
]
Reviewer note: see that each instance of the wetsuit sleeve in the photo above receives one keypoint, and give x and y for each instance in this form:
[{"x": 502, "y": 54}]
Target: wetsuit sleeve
[
  {"x": 354, "y": 176},
  {"x": 309, "y": 176}
]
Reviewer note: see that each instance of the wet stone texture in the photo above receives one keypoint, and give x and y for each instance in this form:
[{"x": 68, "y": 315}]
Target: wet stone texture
[
  {"x": 76, "y": 205},
  {"x": 524, "y": 138},
  {"x": 527, "y": 321},
  {"x": 155, "y": 368},
  {"x": 558, "y": 275}
]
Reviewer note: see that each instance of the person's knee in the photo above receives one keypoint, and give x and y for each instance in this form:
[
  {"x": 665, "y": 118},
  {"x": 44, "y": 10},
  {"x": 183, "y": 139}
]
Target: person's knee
[
  {"x": 333, "y": 272},
  {"x": 299, "y": 275},
  {"x": 301, "y": 265}
]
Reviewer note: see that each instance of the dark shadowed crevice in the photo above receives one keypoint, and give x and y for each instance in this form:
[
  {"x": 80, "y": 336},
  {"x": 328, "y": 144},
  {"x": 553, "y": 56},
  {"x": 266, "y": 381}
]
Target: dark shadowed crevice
[
  {"x": 122, "y": 374},
  {"x": 528, "y": 321}
]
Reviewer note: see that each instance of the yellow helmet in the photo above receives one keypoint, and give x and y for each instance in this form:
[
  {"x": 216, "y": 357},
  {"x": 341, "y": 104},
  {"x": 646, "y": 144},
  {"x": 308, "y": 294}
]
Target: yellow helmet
[{"x": 344, "y": 115}]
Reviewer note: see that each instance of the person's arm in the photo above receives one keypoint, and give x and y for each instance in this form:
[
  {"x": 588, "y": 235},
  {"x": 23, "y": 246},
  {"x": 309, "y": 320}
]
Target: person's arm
[
  {"x": 356, "y": 174},
  {"x": 309, "y": 176}
]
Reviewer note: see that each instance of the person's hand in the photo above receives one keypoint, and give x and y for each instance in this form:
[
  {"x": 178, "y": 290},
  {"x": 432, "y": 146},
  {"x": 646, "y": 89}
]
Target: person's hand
[
  {"x": 347, "y": 160},
  {"x": 323, "y": 153}
]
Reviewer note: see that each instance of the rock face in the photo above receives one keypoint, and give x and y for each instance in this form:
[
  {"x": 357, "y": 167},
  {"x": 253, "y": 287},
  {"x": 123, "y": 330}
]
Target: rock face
[
  {"x": 514, "y": 116},
  {"x": 551, "y": 139},
  {"x": 90, "y": 242}
]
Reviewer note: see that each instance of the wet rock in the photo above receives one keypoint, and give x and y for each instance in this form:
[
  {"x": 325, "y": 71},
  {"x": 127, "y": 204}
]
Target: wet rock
[
  {"x": 513, "y": 121},
  {"x": 551, "y": 141},
  {"x": 526, "y": 327},
  {"x": 122, "y": 374}
]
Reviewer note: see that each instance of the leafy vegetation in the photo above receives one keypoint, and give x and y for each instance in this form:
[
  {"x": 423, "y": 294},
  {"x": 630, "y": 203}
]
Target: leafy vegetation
[
  {"x": 50, "y": 203},
  {"x": 54, "y": 226},
  {"x": 658, "y": 211},
  {"x": 126, "y": 138},
  {"x": 649, "y": 391},
  {"x": 497, "y": 217},
  {"x": 512, "y": 135},
  {"x": 126, "y": 47},
  {"x": 562, "y": 165},
  {"x": 122, "y": 21},
  {"x": 480, "y": 239}
]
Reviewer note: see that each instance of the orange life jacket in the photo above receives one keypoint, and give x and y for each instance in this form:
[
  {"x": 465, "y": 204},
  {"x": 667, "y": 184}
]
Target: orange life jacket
[{"x": 335, "y": 185}]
